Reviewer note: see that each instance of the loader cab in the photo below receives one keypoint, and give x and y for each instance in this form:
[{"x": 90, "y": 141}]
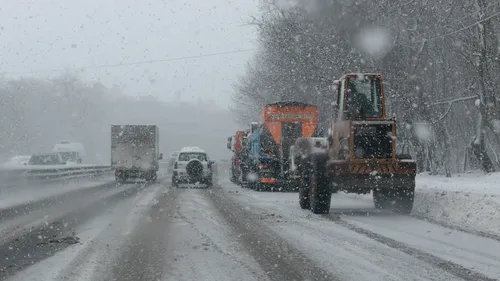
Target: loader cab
[
  {"x": 361, "y": 97},
  {"x": 337, "y": 98}
]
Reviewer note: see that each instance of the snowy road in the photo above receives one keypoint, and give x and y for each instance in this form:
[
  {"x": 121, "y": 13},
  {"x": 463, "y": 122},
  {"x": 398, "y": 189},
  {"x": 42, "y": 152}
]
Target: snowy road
[{"x": 154, "y": 232}]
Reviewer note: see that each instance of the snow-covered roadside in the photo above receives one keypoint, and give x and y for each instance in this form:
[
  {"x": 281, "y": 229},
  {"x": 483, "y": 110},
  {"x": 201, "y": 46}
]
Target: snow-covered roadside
[
  {"x": 10, "y": 197},
  {"x": 101, "y": 240},
  {"x": 468, "y": 201}
]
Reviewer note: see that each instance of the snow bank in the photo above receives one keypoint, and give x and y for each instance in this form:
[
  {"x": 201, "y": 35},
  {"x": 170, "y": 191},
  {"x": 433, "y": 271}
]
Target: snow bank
[{"x": 468, "y": 201}]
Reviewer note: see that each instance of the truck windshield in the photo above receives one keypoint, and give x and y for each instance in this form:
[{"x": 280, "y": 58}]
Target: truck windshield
[
  {"x": 364, "y": 96},
  {"x": 192, "y": 155}
]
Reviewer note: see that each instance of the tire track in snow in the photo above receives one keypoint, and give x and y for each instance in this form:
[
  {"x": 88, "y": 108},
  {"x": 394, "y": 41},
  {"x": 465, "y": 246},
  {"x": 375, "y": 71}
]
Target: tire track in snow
[
  {"x": 35, "y": 205},
  {"x": 459, "y": 228},
  {"x": 55, "y": 235},
  {"x": 144, "y": 259},
  {"x": 277, "y": 257},
  {"x": 448, "y": 266}
]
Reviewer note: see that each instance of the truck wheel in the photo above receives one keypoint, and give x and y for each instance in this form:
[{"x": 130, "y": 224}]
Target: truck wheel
[
  {"x": 234, "y": 178},
  {"x": 153, "y": 177},
  {"x": 295, "y": 185},
  {"x": 119, "y": 180},
  {"x": 304, "y": 199},
  {"x": 209, "y": 182},
  {"x": 251, "y": 185},
  {"x": 320, "y": 192},
  {"x": 398, "y": 199},
  {"x": 381, "y": 199},
  {"x": 175, "y": 183},
  {"x": 404, "y": 201}
]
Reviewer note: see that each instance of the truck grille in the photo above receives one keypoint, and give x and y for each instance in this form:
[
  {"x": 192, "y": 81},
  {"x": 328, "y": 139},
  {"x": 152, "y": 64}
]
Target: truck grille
[{"x": 373, "y": 141}]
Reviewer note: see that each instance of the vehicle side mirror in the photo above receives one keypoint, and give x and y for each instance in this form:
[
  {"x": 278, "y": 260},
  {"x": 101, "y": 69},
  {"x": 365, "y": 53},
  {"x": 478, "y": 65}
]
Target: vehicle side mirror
[{"x": 160, "y": 157}]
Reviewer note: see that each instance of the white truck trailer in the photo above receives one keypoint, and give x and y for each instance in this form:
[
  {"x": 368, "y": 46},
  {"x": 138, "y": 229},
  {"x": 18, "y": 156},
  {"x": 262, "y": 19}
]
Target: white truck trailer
[{"x": 135, "y": 151}]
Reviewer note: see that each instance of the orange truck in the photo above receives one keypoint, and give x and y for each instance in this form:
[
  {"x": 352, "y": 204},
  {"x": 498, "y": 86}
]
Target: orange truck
[
  {"x": 234, "y": 143},
  {"x": 280, "y": 124}
]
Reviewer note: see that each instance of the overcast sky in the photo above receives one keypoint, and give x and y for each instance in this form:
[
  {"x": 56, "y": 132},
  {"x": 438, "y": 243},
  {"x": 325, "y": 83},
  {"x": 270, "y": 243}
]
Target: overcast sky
[{"x": 55, "y": 34}]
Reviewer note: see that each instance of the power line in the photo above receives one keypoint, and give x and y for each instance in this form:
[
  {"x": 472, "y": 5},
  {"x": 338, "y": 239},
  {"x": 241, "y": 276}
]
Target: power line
[
  {"x": 464, "y": 28},
  {"x": 211, "y": 54},
  {"x": 129, "y": 63}
]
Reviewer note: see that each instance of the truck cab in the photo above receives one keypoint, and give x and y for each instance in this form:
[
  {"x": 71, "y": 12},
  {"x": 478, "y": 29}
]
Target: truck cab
[{"x": 234, "y": 143}]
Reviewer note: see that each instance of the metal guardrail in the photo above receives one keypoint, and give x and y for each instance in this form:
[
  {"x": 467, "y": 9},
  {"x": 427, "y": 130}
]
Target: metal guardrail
[{"x": 12, "y": 175}]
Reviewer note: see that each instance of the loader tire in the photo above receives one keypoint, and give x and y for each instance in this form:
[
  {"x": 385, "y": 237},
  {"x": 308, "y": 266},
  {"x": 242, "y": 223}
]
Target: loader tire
[
  {"x": 175, "y": 182},
  {"x": 398, "y": 199},
  {"x": 320, "y": 193},
  {"x": 304, "y": 196},
  {"x": 304, "y": 200}
]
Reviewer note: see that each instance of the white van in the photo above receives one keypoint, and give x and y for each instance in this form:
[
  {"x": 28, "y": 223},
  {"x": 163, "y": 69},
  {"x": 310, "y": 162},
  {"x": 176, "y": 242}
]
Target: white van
[{"x": 72, "y": 152}]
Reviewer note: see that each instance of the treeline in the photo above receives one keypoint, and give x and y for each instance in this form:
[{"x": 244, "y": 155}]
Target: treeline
[
  {"x": 440, "y": 61},
  {"x": 37, "y": 113}
]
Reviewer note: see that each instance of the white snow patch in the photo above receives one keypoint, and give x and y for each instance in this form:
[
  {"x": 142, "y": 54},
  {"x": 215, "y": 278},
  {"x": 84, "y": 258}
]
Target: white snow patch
[
  {"x": 348, "y": 255},
  {"x": 470, "y": 201},
  {"x": 142, "y": 202},
  {"x": 479, "y": 253}
]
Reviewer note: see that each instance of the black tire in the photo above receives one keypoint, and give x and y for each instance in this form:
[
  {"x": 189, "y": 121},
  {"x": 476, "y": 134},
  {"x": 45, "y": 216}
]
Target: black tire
[
  {"x": 267, "y": 187},
  {"x": 405, "y": 200},
  {"x": 252, "y": 185},
  {"x": 234, "y": 177},
  {"x": 304, "y": 199},
  {"x": 209, "y": 182},
  {"x": 244, "y": 175},
  {"x": 195, "y": 170},
  {"x": 295, "y": 185},
  {"x": 320, "y": 192},
  {"x": 121, "y": 178},
  {"x": 150, "y": 177},
  {"x": 153, "y": 177},
  {"x": 381, "y": 199},
  {"x": 175, "y": 183},
  {"x": 398, "y": 199}
]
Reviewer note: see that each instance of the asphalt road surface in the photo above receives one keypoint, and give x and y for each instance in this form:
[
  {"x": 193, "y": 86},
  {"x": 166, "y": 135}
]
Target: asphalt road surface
[{"x": 135, "y": 232}]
